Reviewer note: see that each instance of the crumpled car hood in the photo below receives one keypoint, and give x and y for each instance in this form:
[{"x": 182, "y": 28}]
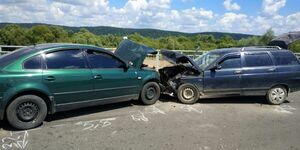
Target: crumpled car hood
[
  {"x": 285, "y": 39},
  {"x": 177, "y": 58},
  {"x": 135, "y": 53}
]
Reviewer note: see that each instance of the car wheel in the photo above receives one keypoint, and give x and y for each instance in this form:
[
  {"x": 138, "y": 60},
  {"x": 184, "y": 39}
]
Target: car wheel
[
  {"x": 150, "y": 93},
  {"x": 277, "y": 95},
  {"x": 187, "y": 94},
  {"x": 26, "y": 112}
]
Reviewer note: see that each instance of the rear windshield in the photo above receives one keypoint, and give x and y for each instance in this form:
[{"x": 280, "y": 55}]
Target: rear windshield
[
  {"x": 10, "y": 57},
  {"x": 285, "y": 58}
]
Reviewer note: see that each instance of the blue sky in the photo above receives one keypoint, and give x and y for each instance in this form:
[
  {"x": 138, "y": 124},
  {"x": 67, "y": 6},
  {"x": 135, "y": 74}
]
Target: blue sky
[{"x": 238, "y": 16}]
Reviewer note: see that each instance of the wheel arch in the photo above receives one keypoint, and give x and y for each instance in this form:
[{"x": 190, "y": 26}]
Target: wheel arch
[
  {"x": 282, "y": 84},
  {"x": 47, "y": 98},
  {"x": 152, "y": 80}
]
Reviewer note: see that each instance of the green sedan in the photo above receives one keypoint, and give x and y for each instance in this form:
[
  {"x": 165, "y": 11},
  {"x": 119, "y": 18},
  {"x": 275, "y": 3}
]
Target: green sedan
[{"x": 48, "y": 78}]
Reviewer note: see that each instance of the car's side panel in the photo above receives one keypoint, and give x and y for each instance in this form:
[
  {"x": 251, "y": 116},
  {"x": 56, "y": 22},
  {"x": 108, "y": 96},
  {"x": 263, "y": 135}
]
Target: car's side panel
[
  {"x": 288, "y": 75},
  {"x": 145, "y": 75},
  {"x": 69, "y": 85},
  {"x": 20, "y": 81},
  {"x": 223, "y": 81},
  {"x": 257, "y": 80},
  {"x": 115, "y": 82}
]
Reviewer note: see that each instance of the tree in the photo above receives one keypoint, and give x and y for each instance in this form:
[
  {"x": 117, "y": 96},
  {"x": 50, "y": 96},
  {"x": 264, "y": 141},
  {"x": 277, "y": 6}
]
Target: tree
[
  {"x": 267, "y": 37},
  {"x": 60, "y": 35},
  {"x": 295, "y": 46},
  {"x": 86, "y": 37},
  {"x": 13, "y": 35},
  {"x": 250, "y": 41},
  {"x": 40, "y": 34},
  {"x": 226, "y": 42}
]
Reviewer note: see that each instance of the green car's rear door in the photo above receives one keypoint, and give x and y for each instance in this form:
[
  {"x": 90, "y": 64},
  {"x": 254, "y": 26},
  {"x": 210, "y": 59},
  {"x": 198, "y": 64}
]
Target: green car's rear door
[
  {"x": 67, "y": 76},
  {"x": 110, "y": 79}
]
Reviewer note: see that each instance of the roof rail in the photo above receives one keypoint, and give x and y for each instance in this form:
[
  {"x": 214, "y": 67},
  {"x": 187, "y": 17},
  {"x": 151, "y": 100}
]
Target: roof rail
[{"x": 277, "y": 47}]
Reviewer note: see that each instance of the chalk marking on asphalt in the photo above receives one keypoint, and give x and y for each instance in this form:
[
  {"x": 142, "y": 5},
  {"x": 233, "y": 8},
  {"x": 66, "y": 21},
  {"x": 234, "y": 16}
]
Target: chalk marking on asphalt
[
  {"x": 207, "y": 126},
  {"x": 284, "y": 109},
  {"x": 17, "y": 140},
  {"x": 188, "y": 108},
  {"x": 94, "y": 124},
  {"x": 138, "y": 116},
  {"x": 153, "y": 110},
  {"x": 113, "y": 133},
  {"x": 59, "y": 125}
]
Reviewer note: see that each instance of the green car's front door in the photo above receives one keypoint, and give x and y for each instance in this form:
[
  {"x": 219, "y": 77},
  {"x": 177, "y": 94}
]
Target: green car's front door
[
  {"x": 67, "y": 76},
  {"x": 110, "y": 79}
]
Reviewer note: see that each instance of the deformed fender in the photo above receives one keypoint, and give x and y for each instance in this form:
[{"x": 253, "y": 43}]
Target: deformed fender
[
  {"x": 196, "y": 81},
  {"x": 20, "y": 88},
  {"x": 146, "y": 77}
]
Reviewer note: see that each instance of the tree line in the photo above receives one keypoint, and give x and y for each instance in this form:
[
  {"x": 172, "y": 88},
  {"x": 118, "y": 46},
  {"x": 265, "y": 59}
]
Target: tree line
[{"x": 17, "y": 35}]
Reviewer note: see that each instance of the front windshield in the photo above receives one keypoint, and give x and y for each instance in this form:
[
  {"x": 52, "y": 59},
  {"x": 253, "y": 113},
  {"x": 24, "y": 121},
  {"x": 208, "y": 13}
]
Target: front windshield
[{"x": 206, "y": 59}]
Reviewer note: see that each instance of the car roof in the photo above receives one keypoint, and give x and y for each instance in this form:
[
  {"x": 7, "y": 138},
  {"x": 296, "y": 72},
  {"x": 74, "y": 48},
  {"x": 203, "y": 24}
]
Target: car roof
[
  {"x": 40, "y": 47},
  {"x": 248, "y": 49},
  {"x": 25, "y": 51}
]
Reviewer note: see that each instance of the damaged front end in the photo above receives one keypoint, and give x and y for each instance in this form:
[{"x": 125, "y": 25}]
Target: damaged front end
[{"x": 183, "y": 68}]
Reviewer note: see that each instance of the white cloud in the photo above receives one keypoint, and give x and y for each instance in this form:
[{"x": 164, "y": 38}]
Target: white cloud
[
  {"x": 146, "y": 14},
  {"x": 271, "y": 7},
  {"x": 239, "y": 22},
  {"x": 231, "y": 6}
]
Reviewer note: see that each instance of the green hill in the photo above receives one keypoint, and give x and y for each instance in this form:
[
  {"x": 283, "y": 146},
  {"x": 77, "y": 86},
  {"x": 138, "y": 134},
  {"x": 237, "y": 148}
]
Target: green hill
[{"x": 153, "y": 33}]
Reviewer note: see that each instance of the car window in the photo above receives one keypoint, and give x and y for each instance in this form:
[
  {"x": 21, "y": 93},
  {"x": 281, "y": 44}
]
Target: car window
[
  {"x": 258, "y": 59},
  {"x": 206, "y": 59},
  {"x": 66, "y": 59},
  {"x": 231, "y": 62},
  {"x": 103, "y": 60},
  {"x": 285, "y": 58},
  {"x": 33, "y": 63}
]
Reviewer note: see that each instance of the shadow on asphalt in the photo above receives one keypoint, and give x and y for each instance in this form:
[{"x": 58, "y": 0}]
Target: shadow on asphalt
[
  {"x": 223, "y": 100},
  {"x": 164, "y": 98},
  {"x": 77, "y": 112}
]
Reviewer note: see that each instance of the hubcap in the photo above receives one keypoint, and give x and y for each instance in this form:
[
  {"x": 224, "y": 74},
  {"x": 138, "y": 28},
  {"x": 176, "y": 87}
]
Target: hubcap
[
  {"x": 277, "y": 95},
  {"x": 150, "y": 93},
  {"x": 27, "y": 111},
  {"x": 188, "y": 93}
]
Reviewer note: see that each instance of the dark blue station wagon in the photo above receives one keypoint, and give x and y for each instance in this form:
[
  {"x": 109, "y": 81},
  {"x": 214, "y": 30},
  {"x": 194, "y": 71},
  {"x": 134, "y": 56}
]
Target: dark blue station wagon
[{"x": 257, "y": 71}]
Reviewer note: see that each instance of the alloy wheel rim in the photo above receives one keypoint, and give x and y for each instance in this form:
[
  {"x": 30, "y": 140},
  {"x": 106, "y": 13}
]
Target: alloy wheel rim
[
  {"x": 277, "y": 95},
  {"x": 27, "y": 111}
]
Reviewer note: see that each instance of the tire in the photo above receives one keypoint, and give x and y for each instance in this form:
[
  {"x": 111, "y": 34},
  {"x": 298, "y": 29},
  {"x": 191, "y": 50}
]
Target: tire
[
  {"x": 26, "y": 112},
  {"x": 276, "y": 95},
  {"x": 187, "y": 93},
  {"x": 150, "y": 93}
]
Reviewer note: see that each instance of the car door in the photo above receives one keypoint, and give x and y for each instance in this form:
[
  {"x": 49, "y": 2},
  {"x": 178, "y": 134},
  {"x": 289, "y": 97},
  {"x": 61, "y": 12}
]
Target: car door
[
  {"x": 226, "y": 78},
  {"x": 111, "y": 79},
  {"x": 67, "y": 76},
  {"x": 258, "y": 73}
]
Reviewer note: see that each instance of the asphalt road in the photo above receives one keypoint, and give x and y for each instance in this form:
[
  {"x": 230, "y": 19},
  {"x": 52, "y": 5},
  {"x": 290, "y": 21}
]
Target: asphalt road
[{"x": 239, "y": 123}]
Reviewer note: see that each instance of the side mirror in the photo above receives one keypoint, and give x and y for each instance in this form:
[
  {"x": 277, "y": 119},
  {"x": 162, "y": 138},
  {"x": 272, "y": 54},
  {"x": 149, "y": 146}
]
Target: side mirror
[{"x": 215, "y": 67}]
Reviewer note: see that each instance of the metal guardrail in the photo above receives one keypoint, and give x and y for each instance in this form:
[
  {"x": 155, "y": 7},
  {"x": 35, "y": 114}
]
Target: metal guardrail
[{"x": 4, "y": 49}]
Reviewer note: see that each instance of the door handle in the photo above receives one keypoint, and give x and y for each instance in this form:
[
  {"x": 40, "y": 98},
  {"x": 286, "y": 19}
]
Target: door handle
[
  {"x": 98, "y": 76},
  {"x": 271, "y": 69},
  {"x": 237, "y": 72},
  {"x": 50, "y": 78}
]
